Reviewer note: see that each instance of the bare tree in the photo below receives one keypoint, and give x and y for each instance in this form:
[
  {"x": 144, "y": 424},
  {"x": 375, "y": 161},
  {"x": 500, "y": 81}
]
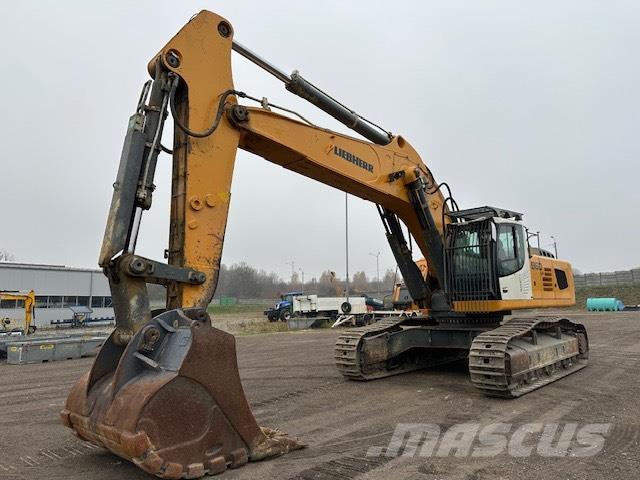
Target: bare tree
[
  {"x": 294, "y": 284},
  {"x": 243, "y": 281},
  {"x": 390, "y": 279},
  {"x": 6, "y": 256},
  {"x": 360, "y": 282},
  {"x": 328, "y": 284}
]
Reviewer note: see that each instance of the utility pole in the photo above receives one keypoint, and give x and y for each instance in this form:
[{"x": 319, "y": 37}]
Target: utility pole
[
  {"x": 377, "y": 255},
  {"x": 346, "y": 240},
  {"x": 292, "y": 264},
  {"x": 302, "y": 273},
  {"x": 555, "y": 246}
]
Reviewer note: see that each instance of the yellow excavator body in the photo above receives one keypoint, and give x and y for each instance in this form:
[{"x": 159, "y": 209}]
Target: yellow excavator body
[{"x": 164, "y": 390}]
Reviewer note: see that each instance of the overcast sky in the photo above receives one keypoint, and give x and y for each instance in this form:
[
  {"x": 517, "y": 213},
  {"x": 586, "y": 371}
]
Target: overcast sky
[{"x": 532, "y": 106}]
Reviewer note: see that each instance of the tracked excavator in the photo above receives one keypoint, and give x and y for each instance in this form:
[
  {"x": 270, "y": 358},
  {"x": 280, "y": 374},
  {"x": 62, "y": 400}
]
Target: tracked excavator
[
  {"x": 165, "y": 392},
  {"x": 28, "y": 301}
]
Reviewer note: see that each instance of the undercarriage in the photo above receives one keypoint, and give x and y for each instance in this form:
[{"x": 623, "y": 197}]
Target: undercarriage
[{"x": 508, "y": 360}]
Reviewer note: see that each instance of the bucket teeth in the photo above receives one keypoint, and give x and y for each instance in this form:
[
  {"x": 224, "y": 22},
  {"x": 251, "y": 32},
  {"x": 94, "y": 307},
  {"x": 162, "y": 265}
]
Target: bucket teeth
[
  {"x": 175, "y": 408},
  {"x": 135, "y": 444},
  {"x": 216, "y": 465},
  {"x": 238, "y": 458}
]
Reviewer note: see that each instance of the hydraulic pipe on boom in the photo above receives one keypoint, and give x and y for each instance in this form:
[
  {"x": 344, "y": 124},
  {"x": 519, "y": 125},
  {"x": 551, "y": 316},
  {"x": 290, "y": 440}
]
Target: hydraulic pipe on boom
[{"x": 295, "y": 83}]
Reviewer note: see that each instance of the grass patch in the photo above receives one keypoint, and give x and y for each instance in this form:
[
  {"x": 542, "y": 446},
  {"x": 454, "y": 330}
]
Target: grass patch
[
  {"x": 254, "y": 328},
  {"x": 628, "y": 294},
  {"x": 238, "y": 308}
]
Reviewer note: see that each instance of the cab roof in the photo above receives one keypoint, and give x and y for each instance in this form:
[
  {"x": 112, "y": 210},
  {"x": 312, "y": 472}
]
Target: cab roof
[{"x": 478, "y": 213}]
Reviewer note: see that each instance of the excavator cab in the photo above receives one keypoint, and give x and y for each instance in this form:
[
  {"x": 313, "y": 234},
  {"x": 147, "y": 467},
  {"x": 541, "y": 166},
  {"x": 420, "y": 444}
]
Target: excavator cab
[
  {"x": 488, "y": 260},
  {"x": 486, "y": 255}
]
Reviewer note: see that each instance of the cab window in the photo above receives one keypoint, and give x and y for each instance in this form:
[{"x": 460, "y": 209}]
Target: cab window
[{"x": 511, "y": 250}]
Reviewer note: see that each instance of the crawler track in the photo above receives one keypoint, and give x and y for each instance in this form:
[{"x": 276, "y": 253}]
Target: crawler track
[
  {"x": 513, "y": 359},
  {"x": 357, "y": 361},
  {"x": 348, "y": 355}
]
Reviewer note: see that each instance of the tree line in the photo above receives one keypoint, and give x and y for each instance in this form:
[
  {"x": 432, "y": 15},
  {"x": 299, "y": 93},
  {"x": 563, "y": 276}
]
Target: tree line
[{"x": 244, "y": 281}]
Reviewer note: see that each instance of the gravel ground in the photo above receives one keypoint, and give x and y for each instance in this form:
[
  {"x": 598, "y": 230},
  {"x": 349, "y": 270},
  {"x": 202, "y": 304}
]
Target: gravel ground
[{"x": 292, "y": 384}]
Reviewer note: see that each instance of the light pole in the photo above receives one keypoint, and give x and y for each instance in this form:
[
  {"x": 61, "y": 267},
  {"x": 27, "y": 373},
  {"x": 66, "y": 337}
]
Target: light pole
[
  {"x": 531, "y": 235},
  {"x": 377, "y": 255},
  {"x": 555, "y": 246},
  {"x": 346, "y": 240}
]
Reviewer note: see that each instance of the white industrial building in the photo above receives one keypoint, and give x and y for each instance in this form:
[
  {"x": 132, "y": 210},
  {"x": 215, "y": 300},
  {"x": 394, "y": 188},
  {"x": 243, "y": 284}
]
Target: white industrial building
[{"x": 57, "y": 288}]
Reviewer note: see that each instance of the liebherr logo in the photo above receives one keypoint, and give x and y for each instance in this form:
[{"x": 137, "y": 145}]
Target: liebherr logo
[{"x": 350, "y": 157}]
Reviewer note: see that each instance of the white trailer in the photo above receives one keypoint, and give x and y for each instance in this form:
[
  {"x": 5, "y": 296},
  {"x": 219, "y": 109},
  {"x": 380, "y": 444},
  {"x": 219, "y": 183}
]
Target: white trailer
[{"x": 313, "y": 305}]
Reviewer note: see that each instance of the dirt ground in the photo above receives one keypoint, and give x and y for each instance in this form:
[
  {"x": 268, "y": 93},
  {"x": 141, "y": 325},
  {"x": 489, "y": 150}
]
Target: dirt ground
[{"x": 292, "y": 384}]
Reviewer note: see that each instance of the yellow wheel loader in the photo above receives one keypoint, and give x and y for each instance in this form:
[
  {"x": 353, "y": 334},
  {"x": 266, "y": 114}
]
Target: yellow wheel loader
[{"x": 164, "y": 391}]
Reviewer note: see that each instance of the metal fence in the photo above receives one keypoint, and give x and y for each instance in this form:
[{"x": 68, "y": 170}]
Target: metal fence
[
  {"x": 226, "y": 301},
  {"x": 619, "y": 277}
]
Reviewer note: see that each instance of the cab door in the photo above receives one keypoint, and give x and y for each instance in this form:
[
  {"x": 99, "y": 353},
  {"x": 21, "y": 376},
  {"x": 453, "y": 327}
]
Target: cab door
[{"x": 513, "y": 268}]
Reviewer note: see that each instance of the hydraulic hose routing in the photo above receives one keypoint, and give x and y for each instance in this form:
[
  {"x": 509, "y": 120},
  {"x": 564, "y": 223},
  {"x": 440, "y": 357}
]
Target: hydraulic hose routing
[{"x": 295, "y": 83}]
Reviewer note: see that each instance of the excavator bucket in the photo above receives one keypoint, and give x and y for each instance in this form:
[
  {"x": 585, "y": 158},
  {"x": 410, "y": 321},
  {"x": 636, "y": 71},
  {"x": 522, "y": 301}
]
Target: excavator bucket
[{"x": 171, "y": 401}]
